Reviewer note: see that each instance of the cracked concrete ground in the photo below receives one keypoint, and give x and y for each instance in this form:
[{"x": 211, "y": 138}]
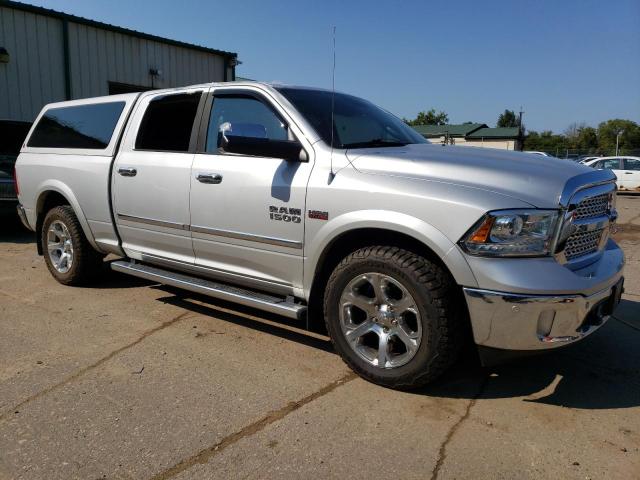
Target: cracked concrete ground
[{"x": 131, "y": 380}]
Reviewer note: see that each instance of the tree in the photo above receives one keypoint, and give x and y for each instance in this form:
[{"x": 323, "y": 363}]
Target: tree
[
  {"x": 507, "y": 119},
  {"x": 430, "y": 117},
  {"x": 573, "y": 130},
  {"x": 587, "y": 139},
  {"x": 629, "y": 139}
]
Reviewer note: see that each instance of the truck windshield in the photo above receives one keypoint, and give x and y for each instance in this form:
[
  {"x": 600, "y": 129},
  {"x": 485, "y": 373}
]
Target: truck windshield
[{"x": 357, "y": 123}]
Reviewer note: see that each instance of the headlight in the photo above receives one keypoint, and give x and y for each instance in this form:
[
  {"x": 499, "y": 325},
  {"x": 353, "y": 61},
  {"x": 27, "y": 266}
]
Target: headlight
[{"x": 512, "y": 233}]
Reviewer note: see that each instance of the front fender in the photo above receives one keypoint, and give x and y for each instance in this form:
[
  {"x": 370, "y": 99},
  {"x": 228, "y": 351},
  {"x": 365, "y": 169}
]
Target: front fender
[
  {"x": 64, "y": 190},
  {"x": 411, "y": 226}
]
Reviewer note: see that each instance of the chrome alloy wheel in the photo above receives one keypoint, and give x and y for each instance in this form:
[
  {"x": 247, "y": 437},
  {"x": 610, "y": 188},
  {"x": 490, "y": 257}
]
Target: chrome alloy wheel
[
  {"x": 380, "y": 320},
  {"x": 60, "y": 246}
]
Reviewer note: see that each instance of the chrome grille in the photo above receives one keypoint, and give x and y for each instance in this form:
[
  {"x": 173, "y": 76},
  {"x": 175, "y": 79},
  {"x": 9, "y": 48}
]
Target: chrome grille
[
  {"x": 583, "y": 243},
  {"x": 592, "y": 207}
]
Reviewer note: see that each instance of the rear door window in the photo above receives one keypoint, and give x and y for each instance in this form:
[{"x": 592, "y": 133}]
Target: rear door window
[
  {"x": 88, "y": 126},
  {"x": 631, "y": 164},
  {"x": 168, "y": 122}
]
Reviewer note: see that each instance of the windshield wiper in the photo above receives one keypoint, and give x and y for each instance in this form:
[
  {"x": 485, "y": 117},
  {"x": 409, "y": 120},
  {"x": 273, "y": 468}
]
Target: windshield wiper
[{"x": 376, "y": 142}]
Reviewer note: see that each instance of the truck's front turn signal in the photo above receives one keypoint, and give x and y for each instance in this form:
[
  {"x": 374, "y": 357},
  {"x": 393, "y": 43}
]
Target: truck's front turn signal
[{"x": 481, "y": 235}]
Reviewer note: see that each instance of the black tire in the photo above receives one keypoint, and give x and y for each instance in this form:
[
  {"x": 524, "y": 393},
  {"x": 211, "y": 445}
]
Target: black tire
[
  {"x": 437, "y": 299},
  {"x": 87, "y": 262}
]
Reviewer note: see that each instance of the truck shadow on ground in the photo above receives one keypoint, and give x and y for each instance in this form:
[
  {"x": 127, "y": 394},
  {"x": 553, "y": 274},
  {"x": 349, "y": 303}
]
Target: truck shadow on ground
[{"x": 601, "y": 372}]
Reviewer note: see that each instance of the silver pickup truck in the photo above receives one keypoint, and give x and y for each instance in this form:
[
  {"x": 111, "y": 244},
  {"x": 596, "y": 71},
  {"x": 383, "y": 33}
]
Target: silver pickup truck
[{"x": 313, "y": 204}]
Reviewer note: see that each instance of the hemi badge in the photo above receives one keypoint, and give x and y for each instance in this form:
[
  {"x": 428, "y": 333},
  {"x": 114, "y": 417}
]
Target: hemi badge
[{"x": 318, "y": 215}]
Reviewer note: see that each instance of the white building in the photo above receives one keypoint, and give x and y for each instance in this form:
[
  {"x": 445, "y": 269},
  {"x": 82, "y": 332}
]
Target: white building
[{"x": 473, "y": 135}]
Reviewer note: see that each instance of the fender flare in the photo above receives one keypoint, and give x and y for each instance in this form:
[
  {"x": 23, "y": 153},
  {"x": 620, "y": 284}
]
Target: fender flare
[
  {"x": 411, "y": 226},
  {"x": 64, "y": 190}
]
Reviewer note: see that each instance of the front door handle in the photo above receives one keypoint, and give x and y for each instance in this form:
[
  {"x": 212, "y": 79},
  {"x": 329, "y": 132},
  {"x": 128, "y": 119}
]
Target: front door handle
[
  {"x": 628, "y": 173},
  {"x": 212, "y": 178},
  {"x": 127, "y": 171}
]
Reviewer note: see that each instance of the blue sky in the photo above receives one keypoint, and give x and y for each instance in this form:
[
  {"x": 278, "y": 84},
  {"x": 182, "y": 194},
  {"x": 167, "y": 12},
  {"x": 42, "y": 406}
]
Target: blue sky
[{"x": 562, "y": 61}]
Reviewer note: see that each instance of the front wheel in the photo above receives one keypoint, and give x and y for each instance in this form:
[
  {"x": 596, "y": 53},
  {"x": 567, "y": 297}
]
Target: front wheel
[
  {"x": 68, "y": 254},
  {"x": 392, "y": 316}
]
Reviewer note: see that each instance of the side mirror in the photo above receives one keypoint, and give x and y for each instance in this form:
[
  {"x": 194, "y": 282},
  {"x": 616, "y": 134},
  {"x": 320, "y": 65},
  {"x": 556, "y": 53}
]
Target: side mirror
[{"x": 250, "y": 139}]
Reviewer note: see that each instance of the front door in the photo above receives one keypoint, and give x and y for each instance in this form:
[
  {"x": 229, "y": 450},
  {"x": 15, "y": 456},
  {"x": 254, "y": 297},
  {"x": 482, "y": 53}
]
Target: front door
[
  {"x": 247, "y": 212},
  {"x": 151, "y": 177}
]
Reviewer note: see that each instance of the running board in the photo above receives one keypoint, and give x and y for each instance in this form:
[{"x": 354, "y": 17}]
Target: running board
[{"x": 213, "y": 289}]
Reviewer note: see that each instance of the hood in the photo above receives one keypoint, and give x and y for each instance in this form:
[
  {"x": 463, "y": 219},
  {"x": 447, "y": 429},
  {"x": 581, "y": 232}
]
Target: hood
[{"x": 534, "y": 179}]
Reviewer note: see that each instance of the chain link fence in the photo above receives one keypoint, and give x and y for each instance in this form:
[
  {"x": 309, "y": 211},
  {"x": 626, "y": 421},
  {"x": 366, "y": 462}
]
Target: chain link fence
[{"x": 579, "y": 154}]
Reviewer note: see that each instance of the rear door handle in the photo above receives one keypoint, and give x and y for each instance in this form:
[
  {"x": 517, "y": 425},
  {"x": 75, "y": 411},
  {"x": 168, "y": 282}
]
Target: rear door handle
[
  {"x": 127, "y": 171},
  {"x": 628, "y": 173},
  {"x": 211, "y": 178}
]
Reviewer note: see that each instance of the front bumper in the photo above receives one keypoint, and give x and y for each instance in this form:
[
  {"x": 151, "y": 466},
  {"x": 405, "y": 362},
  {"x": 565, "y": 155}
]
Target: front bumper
[{"x": 538, "y": 319}]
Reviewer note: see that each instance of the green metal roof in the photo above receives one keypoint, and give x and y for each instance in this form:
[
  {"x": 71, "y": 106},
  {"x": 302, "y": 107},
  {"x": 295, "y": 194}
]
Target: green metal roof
[
  {"x": 106, "y": 26},
  {"x": 461, "y": 130},
  {"x": 498, "y": 132}
]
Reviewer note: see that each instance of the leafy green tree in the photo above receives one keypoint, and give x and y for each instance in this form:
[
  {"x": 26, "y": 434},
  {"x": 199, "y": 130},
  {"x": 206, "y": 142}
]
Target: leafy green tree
[
  {"x": 545, "y": 141},
  {"x": 587, "y": 140},
  {"x": 507, "y": 119},
  {"x": 629, "y": 139},
  {"x": 430, "y": 117}
]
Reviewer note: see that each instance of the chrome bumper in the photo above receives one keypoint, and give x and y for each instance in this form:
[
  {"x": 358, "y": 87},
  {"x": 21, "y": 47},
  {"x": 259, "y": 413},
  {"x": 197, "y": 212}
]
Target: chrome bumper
[
  {"x": 23, "y": 217},
  {"x": 535, "y": 322}
]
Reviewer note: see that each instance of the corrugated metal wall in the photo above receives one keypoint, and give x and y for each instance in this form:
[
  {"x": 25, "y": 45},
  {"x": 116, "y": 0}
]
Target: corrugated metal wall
[
  {"x": 35, "y": 74},
  {"x": 98, "y": 56}
]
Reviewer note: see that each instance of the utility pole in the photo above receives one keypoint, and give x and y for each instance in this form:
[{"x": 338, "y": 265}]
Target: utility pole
[
  {"x": 520, "y": 131},
  {"x": 620, "y": 132}
]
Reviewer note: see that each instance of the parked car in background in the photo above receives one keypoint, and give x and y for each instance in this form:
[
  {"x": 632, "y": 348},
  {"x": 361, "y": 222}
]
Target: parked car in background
[
  {"x": 544, "y": 154},
  {"x": 627, "y": 169},
  {"x": 12, "y": 135},
  {"x": 586, "y": 159}
]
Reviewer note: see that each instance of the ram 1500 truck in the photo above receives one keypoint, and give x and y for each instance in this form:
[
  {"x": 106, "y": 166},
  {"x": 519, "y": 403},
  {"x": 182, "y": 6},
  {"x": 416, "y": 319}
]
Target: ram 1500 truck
[{"x": 291, "y": 199}]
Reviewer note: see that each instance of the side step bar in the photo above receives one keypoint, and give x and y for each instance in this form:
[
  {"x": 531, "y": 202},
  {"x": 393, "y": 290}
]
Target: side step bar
[{"x": 213, "y": 289}]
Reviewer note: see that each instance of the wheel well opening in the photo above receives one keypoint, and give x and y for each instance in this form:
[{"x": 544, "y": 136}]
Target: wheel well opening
[
  {"x": 347, "y": 243},
  {"x": 46, "y": 202}
]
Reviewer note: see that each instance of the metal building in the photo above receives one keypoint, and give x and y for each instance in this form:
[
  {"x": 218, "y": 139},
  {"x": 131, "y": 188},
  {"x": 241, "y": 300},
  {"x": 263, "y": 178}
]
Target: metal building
[{"x": 48, "y": 56}]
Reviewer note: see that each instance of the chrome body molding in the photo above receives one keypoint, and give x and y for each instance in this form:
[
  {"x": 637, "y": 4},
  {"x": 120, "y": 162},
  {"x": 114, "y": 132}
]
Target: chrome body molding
[
  {"x": 247, "y": 236},
  {"x": 151, "y": 221},
  {"x": 214, "y": 231},
  {"x": 584, "y": 181},
  {"x": 23, "y": 217},
  {"x": 512, "y": 321}
]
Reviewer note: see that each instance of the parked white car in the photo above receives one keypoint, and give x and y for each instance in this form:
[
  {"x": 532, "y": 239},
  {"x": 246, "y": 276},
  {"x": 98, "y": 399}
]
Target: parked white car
[
  {"x": 627, "y": 169},
  {"x": 544, "y": 154}
]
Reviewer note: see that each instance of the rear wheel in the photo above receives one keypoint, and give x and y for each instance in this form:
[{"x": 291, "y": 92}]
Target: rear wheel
[
  {"x": 69, "y": 256},
  {"x": 392, "y": 316}
]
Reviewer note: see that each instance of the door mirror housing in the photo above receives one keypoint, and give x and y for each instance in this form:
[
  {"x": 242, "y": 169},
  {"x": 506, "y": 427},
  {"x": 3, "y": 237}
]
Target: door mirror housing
[{"x": 249, "y": 139}]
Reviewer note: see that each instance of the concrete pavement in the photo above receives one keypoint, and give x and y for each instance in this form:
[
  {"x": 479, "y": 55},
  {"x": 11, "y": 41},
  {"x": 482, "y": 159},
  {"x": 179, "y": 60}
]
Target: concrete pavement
[{"x": 133, "y": 380}]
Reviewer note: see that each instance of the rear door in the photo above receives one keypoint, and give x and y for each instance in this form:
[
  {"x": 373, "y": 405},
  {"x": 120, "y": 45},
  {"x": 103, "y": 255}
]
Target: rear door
[
  {"x": 151, "y": 177},
  {"x": 247, "y": 211},
  {"x": 629, "y": 176}
]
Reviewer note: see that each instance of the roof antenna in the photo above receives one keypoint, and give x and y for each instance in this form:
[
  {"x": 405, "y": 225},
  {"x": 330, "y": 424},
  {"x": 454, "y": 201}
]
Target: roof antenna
[{"x": 333, "y": 96}]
